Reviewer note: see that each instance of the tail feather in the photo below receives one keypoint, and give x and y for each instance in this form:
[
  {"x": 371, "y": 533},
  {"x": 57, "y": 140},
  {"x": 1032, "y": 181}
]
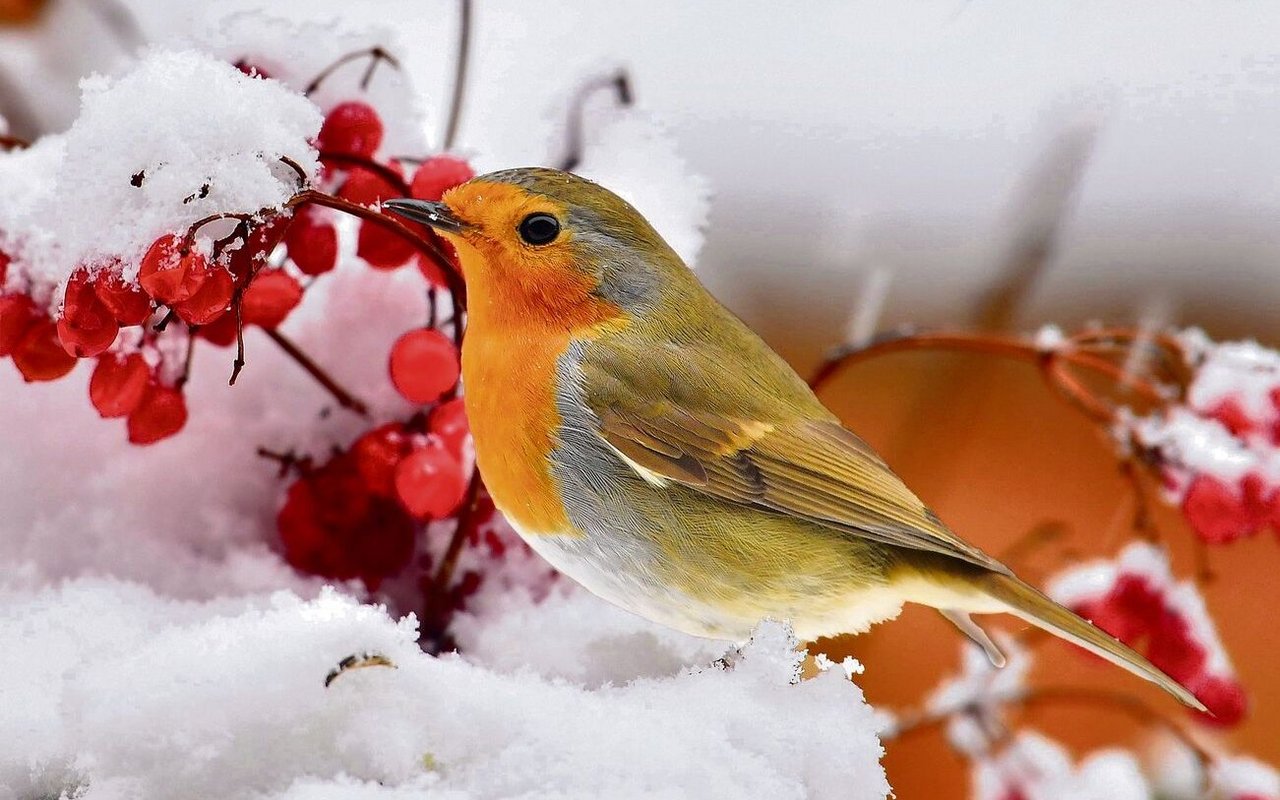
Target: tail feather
[{"x": 1033, "y": 606}]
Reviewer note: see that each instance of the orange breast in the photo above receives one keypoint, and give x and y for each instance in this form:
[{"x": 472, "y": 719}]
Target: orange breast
[
  {"x": 509, "y": 359},
  {"x": 510, "y": 398}
]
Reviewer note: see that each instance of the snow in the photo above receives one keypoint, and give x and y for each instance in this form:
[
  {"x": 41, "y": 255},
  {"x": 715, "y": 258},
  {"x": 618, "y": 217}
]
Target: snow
[
  {"x": 1194, "y": 443},
  {"x": 1246, "y": 371},
  {"x": 629, "y": 151},
  {"x": 1049, "y": 338},
  {"x": 1037, "y": 768},
  {"x": 79, "y": 205},
  {"x": 1241, "y": 777},
  {"x": 974, "y": 699},
  {"x": 136, "y": 694}
]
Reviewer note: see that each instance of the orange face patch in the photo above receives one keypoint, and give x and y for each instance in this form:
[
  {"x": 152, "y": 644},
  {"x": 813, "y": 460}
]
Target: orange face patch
[{"x": 526, "y": 304}]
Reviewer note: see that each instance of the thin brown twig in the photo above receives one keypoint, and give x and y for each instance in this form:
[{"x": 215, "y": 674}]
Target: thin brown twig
[
  {"x": 619, "y": 83},
  {"x": 303, "y": 177},
  {"x": 1117, "y": 701},
  {"x": 343, "y": 397},
  {"x": 437, "y": 595},
  {"x": 237, "y": 364},
  {"x": 453, "y": 279},
  {"x": 375, "y": 54},
  {"x": 460, "y": 62},
  {"x": 186, "y": 361}
]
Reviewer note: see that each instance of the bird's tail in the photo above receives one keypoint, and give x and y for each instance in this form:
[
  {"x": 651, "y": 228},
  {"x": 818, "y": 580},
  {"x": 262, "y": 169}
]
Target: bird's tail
[{"x": 1033, "y": 606}]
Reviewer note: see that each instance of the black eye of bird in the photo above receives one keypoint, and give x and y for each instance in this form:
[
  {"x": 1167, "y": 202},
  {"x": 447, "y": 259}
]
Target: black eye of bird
[{"x": 539, "y": 228}]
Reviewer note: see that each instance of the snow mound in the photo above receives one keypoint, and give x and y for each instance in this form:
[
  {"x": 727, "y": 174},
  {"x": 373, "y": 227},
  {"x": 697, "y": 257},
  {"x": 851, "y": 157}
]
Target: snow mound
[{"x": 138, "y": 695}]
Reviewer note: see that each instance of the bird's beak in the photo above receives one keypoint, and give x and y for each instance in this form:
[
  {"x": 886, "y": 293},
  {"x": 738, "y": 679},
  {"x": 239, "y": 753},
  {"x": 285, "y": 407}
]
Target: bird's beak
[{"x": 435, "y": 214}]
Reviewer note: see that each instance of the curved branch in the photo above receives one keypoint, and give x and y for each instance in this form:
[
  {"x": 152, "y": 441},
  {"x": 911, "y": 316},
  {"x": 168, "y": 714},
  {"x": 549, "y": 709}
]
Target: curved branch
[{"x": 453, "y": 278}]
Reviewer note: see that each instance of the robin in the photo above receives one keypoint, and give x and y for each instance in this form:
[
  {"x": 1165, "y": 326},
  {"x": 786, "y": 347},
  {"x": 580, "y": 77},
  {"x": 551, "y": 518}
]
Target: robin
[{"x": 650, "y": 446}]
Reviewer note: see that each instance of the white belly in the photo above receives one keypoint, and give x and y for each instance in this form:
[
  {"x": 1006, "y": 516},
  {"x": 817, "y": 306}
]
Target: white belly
[{"x": 616, "y": 572}]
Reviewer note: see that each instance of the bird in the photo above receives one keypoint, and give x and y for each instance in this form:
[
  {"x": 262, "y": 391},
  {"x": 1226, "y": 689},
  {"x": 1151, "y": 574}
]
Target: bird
[{"x": 649, "y": 445}]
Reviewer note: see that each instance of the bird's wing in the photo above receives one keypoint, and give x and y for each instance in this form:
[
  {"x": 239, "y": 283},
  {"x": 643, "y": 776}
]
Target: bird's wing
[{"x": 815, "y": 469}]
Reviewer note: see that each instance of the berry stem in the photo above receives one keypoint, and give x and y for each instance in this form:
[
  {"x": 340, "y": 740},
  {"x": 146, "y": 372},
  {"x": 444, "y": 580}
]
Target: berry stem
[
  {"x": 343, "y": 397},
  {"x": 238, "y": 363},
  {"x": 435, "y": 613},
  {"x": 13, "y": 143},
  {"x": 303, "y": 178},
  {"x": 187, "y": 359}
]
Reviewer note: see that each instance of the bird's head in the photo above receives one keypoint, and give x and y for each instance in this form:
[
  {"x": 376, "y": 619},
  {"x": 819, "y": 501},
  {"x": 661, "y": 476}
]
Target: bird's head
[{"x": 545, "y": 240}]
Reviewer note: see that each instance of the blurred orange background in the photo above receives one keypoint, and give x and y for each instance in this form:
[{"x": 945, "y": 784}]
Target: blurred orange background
[{"x": 997, "y": 454}]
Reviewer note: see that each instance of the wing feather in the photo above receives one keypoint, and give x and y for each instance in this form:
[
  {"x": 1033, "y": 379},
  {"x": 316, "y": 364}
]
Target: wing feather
[{"x": 813, "y": 469}]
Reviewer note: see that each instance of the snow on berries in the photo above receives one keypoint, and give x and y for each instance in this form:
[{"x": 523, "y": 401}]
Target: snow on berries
[
  {"x": 1136, "y": 599},
  {"x": 1219, "y": 452}
]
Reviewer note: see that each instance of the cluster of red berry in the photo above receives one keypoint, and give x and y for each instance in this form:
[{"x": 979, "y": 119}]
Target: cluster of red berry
[
  {"x": 1219, "y": 453},
  {"x": 363, "y": 511},
  {"x": 358, "y": 514},
  {"x": 348, "y": 143},
  {"x": 1136, "y": 600}
]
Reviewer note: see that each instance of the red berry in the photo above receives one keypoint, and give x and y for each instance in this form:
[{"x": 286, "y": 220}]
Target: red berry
[
  {"x": 376, "y": 455},
  {"x": 161, "y": 413},
  {"x": 1230, "y": 412},
  {"x": 381, "y": 247},
  {"x": 87, "y": 327},
  {"x": 127, "y": 302},
  {"x": 437, "y": 175},
  {"x": 1135, "y": 598},
  {"x": 221, "y": 332},
  {"x": 353, "y": 128},
  {"x": 118, "y": 384},
  {"x": 331, "y": 526},
  {"x": 366, "y": 187},
  {"x": 1175, "y": 650},
  {"x": 312, "y": 242},
  {"x": 1110, "y": 618},
  {"x": 39, "y": 356},
  {"x": 270, "y": 298},
  {"x": 84, "y": 342},
  {"x": 170, "y": 271},
  {"x": 449, "y": 421},
  {"x": 423, "y": 365},
  {"x": 1217, "y": 512},
  {"x": 210, "y": 301},
  {"x": 17, "y": 314},
  {"x": 430, "y": 269},
  {"x": 1224, "y": 697},
  {"x": 429, "y": 481}
]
